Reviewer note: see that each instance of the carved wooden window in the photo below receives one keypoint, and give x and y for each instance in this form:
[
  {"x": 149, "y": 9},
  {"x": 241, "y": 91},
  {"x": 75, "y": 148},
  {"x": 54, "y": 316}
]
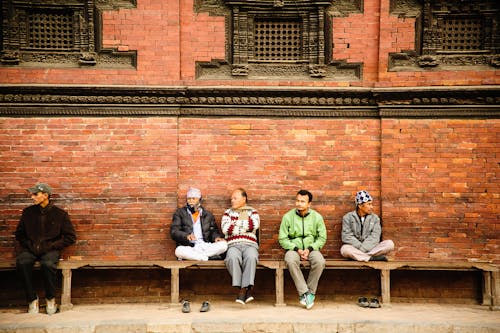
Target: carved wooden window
[
  {"x": 278, "y": 33},
  {"x": 462, "y": 34},
  {"x": 57, "y": 33},
  {"x": 450, "y": 33},
  {"x": 50, "y": 30},
  {"x": 277, "y": 40}
]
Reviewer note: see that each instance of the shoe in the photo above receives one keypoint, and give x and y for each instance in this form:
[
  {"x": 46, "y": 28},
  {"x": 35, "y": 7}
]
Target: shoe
[
  {"x": 215, "y": 257},
  {"x": 205, "y": 307},
  {"x": 241, "y": 296},
  {"x": 249, "y": 295},
  {"x": 302, "y": 299},
  {"x": 309, "y": 300},
  {"x": 186, "y": 306},
  {"x": 240, "y": 299},
  {"x": 363, "y": 302},
  {"x": 33, "y": 306},
  {"x": 379, "y": 258},
  {"x": 374, "y": 303},
  {"x": 51, "y": 306}
]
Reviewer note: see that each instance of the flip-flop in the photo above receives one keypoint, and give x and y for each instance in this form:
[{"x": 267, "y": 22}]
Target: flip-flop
[
  {"x": 374, "y": 303},
  {"x": 363, "y": 302}
]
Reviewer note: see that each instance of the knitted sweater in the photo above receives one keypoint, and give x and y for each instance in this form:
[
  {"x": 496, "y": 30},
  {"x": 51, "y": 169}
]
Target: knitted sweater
[{"x": 240, "y": 225}]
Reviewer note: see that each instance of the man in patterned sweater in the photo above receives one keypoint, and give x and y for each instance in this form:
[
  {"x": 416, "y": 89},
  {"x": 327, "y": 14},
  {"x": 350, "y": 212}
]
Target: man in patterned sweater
[{"x": 239, "y": 225}]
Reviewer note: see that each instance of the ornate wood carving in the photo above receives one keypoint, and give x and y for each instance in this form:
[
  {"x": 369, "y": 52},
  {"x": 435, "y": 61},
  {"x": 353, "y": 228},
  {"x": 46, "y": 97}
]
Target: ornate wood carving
[
  {"x": 253, "y": 102},
  {"x": 450, "y": 35},
  {"x": 278, "y": 40},
  {"x": 58, "y": 33}
]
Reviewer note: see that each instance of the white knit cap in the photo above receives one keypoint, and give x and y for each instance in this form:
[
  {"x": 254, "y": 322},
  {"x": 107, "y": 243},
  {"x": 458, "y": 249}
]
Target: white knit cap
[{"x": 193, "y": 193}]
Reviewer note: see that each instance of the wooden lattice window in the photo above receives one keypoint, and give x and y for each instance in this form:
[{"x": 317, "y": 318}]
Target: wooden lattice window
[
  {"x": 58, "y": 33},
  {"x": 462, "y": 34},
  {"x": 277, "y": 40},
  {"x": 50, "y": 30}
]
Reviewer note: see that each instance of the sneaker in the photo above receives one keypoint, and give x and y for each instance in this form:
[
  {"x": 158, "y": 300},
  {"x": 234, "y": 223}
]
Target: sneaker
[
  {"x": 240, "y": 299},
  {"x": 363, "y": 302},
  {"x": 241, "y": 296},
  {"x": 309, "y": 300},
  {"x": 186, "y": 306},
  {"x": 51, "y": 306},
  {"x": 205, "y": 306},
  {"x": 302, "y": 299},
  {"x": 33, "y": 306},
  {"x": 249, "y": 296}
]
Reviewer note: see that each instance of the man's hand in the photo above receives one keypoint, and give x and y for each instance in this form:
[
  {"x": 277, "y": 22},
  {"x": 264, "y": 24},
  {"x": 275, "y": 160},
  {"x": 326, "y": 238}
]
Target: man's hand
[
  {"x": 191, "y": 237},
  {"x": 304, "y": 254}
]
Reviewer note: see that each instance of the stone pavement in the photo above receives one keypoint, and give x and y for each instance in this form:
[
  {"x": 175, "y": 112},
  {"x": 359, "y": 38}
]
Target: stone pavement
[{"x": 230, "y": 317}]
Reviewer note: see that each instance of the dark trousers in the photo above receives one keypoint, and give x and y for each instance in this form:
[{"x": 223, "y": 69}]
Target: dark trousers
[{"x": 48, "y": 265}]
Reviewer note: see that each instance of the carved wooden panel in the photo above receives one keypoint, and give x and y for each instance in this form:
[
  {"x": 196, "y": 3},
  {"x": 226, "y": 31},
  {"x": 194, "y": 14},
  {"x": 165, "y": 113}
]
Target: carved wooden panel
[
  {"x": 37, "y": 33},
  {"x": 450, "y": 33},
  {"x": 278, "y": 39},
  {"x": 217, "y": 101}
]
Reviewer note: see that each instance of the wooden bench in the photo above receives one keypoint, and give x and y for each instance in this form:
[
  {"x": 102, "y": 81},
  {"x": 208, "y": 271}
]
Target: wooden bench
[
  {"x": 490, "y": 286},
  {"x": 67, "y": 266}
]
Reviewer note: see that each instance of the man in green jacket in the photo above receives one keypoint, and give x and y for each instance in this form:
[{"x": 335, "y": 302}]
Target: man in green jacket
[{"x": 302, "y": 234}]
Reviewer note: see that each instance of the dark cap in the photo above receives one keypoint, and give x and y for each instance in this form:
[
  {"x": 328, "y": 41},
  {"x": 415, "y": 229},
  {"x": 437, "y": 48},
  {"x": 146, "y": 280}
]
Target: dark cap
[{"x": 40, "y": 187}]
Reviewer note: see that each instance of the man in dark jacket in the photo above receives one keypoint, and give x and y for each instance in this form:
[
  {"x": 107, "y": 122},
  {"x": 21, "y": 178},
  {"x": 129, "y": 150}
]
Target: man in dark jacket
[
  {"x": 197, "y": 236},
  {"x": 195, "y": 231},
  {"x": 43, "y": 231}
]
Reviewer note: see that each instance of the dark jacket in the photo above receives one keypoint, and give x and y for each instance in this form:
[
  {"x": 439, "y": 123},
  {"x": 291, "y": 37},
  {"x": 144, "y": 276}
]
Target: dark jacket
[
  {"x": 41, "y": 230},
  {"x": 182, "y": 226}
]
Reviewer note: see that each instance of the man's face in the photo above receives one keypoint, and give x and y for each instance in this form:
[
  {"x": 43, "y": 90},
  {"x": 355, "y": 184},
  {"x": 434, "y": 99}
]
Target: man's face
[
  {"x": 365, "y": 208},
  {"x": 193, "y": 201},
  {"x": 302, "y": 203},
  {"x": 237, "y": 200},
  {"x": 39, "y": 198}
]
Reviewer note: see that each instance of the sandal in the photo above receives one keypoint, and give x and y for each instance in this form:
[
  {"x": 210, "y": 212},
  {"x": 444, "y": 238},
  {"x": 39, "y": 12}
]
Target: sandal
[
  {"x": 374, "y": 303},
  {"x": 363, "y": 302}
]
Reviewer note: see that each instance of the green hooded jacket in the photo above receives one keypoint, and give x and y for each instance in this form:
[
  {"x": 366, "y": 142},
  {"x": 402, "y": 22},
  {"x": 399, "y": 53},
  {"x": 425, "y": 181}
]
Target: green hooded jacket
[{"x": 297, "y": 232}]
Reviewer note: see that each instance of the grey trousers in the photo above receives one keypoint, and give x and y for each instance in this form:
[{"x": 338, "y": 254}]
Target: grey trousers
[
  {"x": 349, "y": 251},
  {"x": 292, "y": 260},
  {"x": 241, "y": 262}
]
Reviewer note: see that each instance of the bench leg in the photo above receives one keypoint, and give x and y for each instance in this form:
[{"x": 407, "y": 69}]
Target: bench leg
[
  {"x": 487, "y": 292},
  {"x": 66, "y": 291},
  {"x": 280, "y": 286},
  {"x": 174, "y": 285},
  {"x": 385, "y": 286},
  {"x": 495, "y": 290}
]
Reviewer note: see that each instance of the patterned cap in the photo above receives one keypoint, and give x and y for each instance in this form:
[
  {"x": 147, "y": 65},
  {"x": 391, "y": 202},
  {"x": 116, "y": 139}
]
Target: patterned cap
[
  {"x": 193, "y": 193},
  {"x": 362, "y": 197},
  {"x": 40, "y": 187}
]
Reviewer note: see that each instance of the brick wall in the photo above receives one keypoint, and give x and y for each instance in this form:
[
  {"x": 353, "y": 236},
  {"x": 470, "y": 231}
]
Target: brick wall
[
  {"x": 440, "y": 187},
  {"x": 170, "y": 38},
  {"x": 435, "y": 182}
]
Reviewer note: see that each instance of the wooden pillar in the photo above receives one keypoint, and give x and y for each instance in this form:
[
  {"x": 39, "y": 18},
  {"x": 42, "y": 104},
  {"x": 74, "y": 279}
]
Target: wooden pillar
[
  {"x": 495, "y": 290},
  {"x": 174, "y": 285},
  {"x": 487, "y": 292},
  {"x": 385, "y": 285},
  {"x": 66, "y": 291},
  {"x": 280, "y": 287}
]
